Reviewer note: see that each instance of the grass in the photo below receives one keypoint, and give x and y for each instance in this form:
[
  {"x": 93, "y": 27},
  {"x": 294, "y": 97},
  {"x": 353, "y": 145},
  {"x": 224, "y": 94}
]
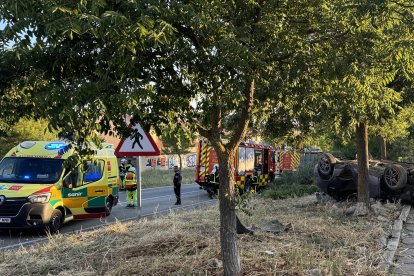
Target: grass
[
  {"x": 185, "y": 243},
  {"x": 159, "y": 178},
  {"x": 293, "y": 184}
]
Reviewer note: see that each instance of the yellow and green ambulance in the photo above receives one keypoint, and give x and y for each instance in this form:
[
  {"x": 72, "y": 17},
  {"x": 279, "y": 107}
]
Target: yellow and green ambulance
[{"x": 36, "y": 191}]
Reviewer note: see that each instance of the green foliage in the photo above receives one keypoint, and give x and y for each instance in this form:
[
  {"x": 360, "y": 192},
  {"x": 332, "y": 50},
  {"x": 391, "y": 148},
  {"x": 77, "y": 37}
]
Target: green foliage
[
  {"x": 176, "y": 139},
  {"x": 291, "y": 184},
  {"x": 282, "y": 191},
  {"x": 25, "y": 130}
]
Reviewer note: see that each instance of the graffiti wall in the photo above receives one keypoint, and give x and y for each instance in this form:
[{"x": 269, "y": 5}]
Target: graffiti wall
[{"x": 165, "y": 162}]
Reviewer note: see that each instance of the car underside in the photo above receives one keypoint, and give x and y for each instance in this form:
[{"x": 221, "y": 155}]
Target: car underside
[{"x": 387, "y": 179}]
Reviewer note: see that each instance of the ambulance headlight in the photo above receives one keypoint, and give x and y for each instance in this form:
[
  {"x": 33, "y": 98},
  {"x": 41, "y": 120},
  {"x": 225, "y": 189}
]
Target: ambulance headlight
[{"x": 39, "y": 198}]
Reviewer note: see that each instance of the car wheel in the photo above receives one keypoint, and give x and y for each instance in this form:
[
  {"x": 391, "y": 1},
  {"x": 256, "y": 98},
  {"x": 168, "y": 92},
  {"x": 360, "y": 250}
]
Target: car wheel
[
  {"x": 326, "y": 164},
  {"x": 55, "y": 222},
  {"x": 108, "y": 206},
  {"x": 395, "y": 177}
]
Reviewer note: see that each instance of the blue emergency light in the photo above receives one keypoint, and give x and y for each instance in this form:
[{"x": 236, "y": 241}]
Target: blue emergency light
[
  {"x": 26, "y": 177},
  {"x": 55, "y": 146}
]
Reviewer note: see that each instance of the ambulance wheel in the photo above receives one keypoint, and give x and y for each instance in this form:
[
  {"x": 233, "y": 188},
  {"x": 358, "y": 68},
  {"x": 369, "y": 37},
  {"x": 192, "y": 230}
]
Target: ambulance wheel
[
  {"x": 108, "y": 206},
  {"x": 55, "y": 222}
]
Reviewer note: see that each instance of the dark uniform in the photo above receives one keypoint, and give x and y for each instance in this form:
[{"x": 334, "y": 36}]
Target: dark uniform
[{"x": 177, "y": 185}]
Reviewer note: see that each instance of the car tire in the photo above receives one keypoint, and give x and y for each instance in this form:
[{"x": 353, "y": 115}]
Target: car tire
[
  {"x": 108, "y": 206},
  {"x": 55, "y": 222},
  {"x": 326, "y": 164},
  {"x": 395, "y": 177}
]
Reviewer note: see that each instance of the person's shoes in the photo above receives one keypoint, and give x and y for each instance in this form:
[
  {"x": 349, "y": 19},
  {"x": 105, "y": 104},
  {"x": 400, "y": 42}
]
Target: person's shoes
[{"x": 133, "y": 205}]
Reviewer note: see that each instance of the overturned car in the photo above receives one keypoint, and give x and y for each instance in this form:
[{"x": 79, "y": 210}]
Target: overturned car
[{"x": 387, "y": 179}]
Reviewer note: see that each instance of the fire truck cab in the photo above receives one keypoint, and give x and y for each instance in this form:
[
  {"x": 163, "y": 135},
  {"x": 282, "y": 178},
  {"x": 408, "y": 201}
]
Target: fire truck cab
[{"x": 254, "y": 166}]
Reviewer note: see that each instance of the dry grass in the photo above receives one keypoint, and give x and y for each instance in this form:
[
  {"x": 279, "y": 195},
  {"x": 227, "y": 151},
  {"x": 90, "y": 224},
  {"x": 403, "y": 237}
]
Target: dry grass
[{"x": 183, "y": 244}]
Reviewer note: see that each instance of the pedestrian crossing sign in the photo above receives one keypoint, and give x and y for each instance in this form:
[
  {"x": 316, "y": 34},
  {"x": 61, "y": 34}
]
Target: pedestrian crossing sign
[{"x": 140, "y": 143}]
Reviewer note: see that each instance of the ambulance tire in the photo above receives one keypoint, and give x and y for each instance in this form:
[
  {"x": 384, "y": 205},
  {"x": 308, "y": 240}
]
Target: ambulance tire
[
  {"x": 55, "y": 222},
  {"x": 108, "y": 206}
]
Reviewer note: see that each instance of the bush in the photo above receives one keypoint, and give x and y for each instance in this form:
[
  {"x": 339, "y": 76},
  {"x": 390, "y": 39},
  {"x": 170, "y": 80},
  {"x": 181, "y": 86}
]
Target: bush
[{"x": 291, "y": 184}]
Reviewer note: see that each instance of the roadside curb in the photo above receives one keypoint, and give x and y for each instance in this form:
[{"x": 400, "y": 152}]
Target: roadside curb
[{"x": 394, "y": 240}]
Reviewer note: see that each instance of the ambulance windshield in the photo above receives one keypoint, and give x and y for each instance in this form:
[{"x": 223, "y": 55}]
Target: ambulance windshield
[{"x": 30, "y": 170}]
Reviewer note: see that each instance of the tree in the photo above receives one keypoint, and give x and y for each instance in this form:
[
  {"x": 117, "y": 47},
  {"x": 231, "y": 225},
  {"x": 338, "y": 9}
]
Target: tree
[
  {"x": 24, "y": 130},
  {"x": 176, "y": 140}
]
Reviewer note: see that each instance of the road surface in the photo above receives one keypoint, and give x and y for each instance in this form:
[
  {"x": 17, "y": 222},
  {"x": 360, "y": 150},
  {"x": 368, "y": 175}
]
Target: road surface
[{"x": 154, "y": 201}]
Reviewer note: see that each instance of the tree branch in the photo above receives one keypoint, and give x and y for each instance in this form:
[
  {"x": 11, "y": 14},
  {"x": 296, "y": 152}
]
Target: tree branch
[
  {"x": 246, "y": 112},
  {"x": 189, "y": 33}
]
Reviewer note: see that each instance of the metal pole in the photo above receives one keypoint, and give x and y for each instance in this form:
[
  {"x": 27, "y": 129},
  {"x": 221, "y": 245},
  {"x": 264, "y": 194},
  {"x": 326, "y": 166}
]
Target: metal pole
[{"x": 138, "y": 164}]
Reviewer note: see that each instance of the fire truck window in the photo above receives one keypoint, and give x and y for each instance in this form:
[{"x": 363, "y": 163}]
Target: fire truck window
[
  {"x": 241, "y": 161},
  {"x": 258, "y": 160},
  {"x": 266, "y": 161},
  {"x": 249, "y": 159}
]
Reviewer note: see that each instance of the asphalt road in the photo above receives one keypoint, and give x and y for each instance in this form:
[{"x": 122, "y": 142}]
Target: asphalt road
[{"x": 154, "y": 201}]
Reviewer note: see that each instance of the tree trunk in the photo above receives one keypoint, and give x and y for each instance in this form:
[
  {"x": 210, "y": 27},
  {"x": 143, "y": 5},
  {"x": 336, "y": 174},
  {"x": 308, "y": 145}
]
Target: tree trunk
[
  {"x": 228, "y": 193},
  {"x": 362, "y": 158},
  {"x": 228, "y": 233},
  {"x": 383, "y": 148},
  {"x": 181, "y": 161}
]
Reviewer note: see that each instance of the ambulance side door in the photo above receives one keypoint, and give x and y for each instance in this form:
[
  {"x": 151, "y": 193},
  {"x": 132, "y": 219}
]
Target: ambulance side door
[
  {"x": 97, "y": 187},
  {"x": 74, "y": 194}
]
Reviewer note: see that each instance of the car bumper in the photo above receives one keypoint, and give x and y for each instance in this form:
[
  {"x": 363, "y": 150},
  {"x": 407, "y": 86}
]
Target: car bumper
[{"x": 30, "y": 215}]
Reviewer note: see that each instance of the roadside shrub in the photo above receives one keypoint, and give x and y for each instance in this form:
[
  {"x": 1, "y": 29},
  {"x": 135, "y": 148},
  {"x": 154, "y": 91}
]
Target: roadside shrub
[
  {"x": 292, "y": 184},
  {"x": 283, "y": 191}
]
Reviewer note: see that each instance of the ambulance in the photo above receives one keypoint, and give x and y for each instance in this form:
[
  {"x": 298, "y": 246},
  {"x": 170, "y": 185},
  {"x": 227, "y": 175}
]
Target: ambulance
[{"x": 36, "y": 190}]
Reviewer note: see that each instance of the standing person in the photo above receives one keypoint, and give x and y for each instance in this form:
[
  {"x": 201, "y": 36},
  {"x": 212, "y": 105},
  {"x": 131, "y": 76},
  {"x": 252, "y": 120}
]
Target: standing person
[
  {"x": 177, "y": 185},
  {"x": 131, "y": 187},
  {"x": 122, "y": 172},
  {"x": 129, "y": 165}
]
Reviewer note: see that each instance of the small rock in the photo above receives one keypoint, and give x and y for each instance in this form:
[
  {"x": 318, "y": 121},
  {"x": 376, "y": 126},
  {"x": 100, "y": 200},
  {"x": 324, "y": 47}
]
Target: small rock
[
  {"x": 382, "y": 241},
  {"x": 322, "y": 198},
  {"x": 379, "y": 209},
  {"x": 268, "y": 252},
  {"x": 361, "y": 209},
  {"x": 391, "y": 206},
  {"x": 313, "y": 272},
  {"x": 335, "y": 210},
  {"x": 215, "y": 263},
  {"x": 383, "y": 219},
  {"x": 350, "y": 210}
]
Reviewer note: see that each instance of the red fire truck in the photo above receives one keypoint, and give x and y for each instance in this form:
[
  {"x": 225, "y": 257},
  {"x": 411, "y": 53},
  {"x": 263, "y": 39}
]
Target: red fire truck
[{"x": 249, "y": 158}]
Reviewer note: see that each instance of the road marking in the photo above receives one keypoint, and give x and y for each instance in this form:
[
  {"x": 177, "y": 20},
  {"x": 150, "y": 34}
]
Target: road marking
[{"x": 95, "y": 227}]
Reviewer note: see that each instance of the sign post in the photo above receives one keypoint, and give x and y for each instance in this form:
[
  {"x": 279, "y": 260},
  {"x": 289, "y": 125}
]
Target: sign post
[
  {"x": 138, "y": 169},
  {"x": 140, "y": 143}
]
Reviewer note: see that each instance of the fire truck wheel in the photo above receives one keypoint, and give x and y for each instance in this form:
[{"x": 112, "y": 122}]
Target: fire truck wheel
[
  {"x": 395, "y": 177},
  {"x": 108, "y": 206},
  {"x": 326, "y": 164},
  {"x": 55, "y": 223}
]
